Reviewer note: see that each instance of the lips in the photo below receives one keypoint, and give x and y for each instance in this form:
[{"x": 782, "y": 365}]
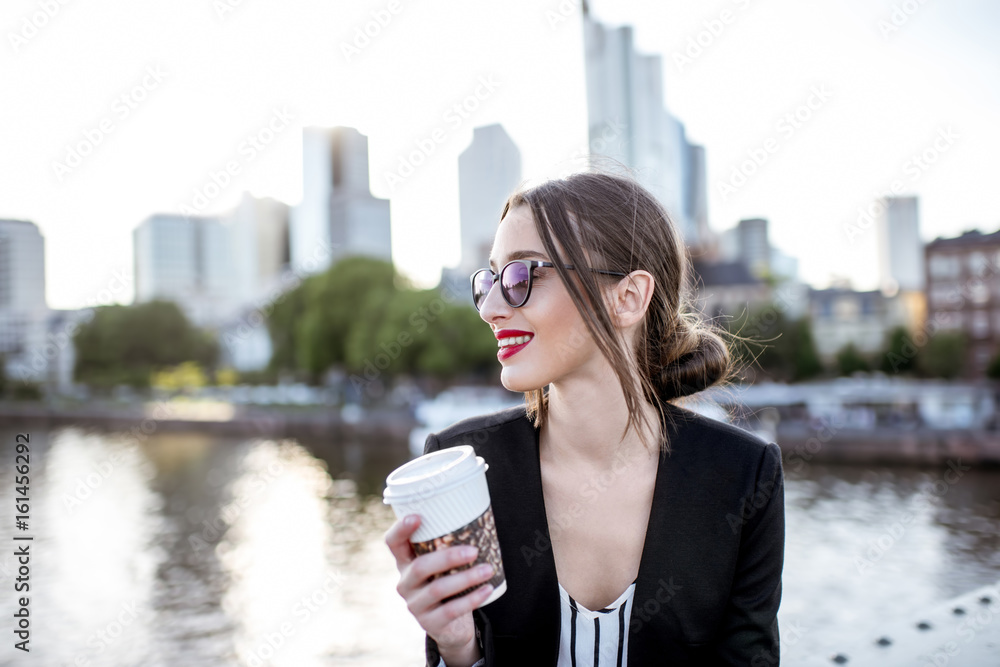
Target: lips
[{"x": 511, "y": 341}]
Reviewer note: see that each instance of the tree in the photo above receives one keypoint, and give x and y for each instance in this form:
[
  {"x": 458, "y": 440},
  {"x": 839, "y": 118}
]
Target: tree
[
  {"x": 362, "y": 317},
  {"x": 807, "y": 363},
  {"x": 943, "y": 356},
  {"x": 850, "y": 360},
  {"x": 126, "y": 344},
  {"x": 784, "y": 350},
  {"x": 993, "y": 370},
  {"x": 900, "y": 355}
]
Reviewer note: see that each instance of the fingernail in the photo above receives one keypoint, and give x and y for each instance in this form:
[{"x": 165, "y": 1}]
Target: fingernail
[
  {"x": 469, "y": 552},
  {"x": 410, "y": 520}
]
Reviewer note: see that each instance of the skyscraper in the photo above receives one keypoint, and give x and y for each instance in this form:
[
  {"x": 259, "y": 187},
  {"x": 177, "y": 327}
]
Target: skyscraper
[
  {"x": 628, "y": 122},
  {"x": 901, "y": 254},
  {"x": 489, "y": 170},
  {"x": 188, "y": 260},
  {"x": 23, "y": 310},
  {"x": 22, "y": 266},
  {"x": 338, "y": 216}
]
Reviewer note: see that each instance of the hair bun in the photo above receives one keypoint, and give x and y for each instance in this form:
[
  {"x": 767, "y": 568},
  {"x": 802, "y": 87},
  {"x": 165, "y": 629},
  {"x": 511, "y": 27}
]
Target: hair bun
[{"x": 701, "y": 359}]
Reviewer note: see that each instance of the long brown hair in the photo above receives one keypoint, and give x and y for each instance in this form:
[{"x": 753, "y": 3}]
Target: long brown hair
[{"x": 611, "y": 222}]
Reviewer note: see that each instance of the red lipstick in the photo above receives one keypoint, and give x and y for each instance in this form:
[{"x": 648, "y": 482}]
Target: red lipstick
[{"x": 509, "y": 351}]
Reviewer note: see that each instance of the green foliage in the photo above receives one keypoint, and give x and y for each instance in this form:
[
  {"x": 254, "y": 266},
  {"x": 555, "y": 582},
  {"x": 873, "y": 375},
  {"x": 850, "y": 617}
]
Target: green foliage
[
  {"x": 807, "y": 363},
  {"x": 900, "y": 355},
  {"x": 784, "y": 350},
  {"x": 943, "y": 356},
  {"x": 126, "y": 344},
  {"x": 993, "y": 370},
  {"x": 850, "y": 360},
  {"x": 361, "y": 317}
]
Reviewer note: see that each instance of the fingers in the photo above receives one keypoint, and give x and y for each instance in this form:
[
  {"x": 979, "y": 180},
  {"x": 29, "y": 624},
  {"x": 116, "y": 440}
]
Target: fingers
[
  {"x": 398, "y": 539},
  {"x": 448, "y": 612},
  {"x": 429, "y": 596}
]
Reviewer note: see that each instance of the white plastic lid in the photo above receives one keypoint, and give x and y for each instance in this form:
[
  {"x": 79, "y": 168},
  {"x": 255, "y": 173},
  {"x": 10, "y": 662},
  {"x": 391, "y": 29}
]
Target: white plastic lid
[{"x": 432, "y": 474}]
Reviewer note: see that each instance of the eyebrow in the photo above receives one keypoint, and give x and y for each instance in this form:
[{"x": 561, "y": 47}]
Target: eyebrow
[{"x": 520, "y": 254}]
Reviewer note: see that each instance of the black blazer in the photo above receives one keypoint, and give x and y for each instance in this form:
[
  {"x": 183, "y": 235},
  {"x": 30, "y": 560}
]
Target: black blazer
[{"x": 709, "y": 580}]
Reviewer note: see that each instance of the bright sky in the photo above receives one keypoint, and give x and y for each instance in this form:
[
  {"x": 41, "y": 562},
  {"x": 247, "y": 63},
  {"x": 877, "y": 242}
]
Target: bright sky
[{"x": 200, "y": 77}]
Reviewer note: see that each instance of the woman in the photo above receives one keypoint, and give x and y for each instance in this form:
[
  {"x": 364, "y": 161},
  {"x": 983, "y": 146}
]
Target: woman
[{"x": 633, "y": 531}]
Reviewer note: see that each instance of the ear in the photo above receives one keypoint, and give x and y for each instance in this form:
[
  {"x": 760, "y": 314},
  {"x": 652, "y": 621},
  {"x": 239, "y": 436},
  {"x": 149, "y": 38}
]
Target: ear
[{"x": 631, "y": 297}]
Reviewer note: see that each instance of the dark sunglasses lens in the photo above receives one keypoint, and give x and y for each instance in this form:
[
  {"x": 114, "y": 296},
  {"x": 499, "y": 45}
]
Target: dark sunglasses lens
[
  {"x": 481, "y": 284},
  {"x": 514, "y": 282}
]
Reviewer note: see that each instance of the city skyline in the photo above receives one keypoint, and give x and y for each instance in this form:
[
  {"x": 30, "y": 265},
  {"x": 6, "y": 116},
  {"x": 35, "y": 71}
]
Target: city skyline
[{"x": 835, "y": 108}]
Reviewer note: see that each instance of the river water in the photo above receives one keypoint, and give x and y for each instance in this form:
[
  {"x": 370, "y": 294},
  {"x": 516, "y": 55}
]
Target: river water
[{"x": 189, "y": 549}]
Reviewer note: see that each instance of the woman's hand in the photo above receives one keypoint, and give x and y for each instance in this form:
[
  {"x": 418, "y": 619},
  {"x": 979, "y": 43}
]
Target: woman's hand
[{"x": 449, "y": 624}]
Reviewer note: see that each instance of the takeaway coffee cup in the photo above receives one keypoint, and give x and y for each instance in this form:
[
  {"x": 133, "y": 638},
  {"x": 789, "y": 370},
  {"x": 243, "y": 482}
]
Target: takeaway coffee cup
[{"x": 448, "y": 489}]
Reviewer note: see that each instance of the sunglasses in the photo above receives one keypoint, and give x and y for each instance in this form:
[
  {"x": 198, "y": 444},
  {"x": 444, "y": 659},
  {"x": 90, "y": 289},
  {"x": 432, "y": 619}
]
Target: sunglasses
[{"x": 515, "y": 281}]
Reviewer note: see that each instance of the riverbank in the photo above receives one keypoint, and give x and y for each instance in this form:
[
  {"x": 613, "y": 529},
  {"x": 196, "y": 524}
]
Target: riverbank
[{"x": 217, "y": 418}]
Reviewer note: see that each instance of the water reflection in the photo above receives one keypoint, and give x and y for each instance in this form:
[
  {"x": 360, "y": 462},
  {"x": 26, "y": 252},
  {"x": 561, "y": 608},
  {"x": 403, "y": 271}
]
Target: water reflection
[{"x": 199, "y": 550}]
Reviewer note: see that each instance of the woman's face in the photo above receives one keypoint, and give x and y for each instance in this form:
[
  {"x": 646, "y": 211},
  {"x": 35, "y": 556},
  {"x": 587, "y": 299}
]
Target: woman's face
[{"x": 560, "y": 346}]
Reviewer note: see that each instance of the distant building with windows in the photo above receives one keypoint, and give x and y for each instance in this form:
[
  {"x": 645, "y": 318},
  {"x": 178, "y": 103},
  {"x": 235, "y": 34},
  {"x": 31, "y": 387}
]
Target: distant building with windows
[
  {"x": 338, "y": 215},
  {"x": 23, "y": 310},
  {"x": 840, "y": 316},
  {"x": 727, "y": 290},
  {"x": 187, "y": 260},
  {"x": 963, "y": 293}
]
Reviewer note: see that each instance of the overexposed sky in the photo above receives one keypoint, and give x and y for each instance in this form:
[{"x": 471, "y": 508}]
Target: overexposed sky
[{"x": 888, "y": 82}]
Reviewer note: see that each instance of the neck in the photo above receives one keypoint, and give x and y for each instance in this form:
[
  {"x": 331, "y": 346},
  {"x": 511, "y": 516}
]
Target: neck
[{"x": 584, "y": 425}]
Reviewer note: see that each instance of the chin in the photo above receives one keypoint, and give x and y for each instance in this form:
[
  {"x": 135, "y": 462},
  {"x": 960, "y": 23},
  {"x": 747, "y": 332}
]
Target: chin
[{"x": 517, "y": 382}]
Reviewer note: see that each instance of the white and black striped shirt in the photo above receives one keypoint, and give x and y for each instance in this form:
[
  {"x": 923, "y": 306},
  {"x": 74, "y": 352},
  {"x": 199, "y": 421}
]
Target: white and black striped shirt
[
  {"x": 594, "y": 638},
  {"x": 591, "y": 638}
]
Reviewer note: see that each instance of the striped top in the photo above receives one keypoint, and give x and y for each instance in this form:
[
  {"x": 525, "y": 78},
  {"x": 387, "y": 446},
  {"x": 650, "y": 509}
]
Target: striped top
[
  {"x": 594, "y": 638},
  {"x": 590, "y": 638}
]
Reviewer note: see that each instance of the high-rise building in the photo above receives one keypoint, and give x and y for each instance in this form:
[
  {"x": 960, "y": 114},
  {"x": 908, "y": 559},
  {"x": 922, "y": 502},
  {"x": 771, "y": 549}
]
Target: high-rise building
[
  {"x": 338, "y": 216},
  {"x": 22, "y": 266},
  {"x": 628, "y": 122},
  {"x": 258, "y": 230},
  {"x": 901, "y": 264},
  {"x": 23, "y": 311},
  {"x": 188, "y": 260},
  {"x": 489, "y": 170},
  {"x": 754, "y": 248}
]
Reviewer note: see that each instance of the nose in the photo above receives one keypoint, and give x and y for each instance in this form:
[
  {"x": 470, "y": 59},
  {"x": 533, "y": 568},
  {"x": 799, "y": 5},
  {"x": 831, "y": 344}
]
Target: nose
[{"x": 495, "y": 308}]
